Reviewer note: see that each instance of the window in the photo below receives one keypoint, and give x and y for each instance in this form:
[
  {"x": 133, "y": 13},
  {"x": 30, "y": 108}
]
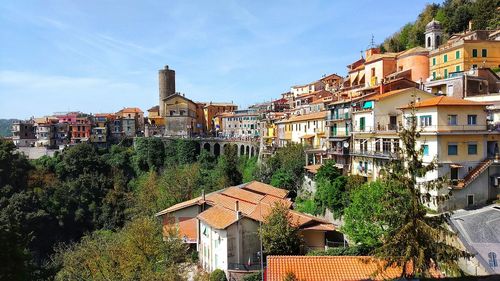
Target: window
[
  {"x": 452, "y": 149},
  {"x": 425, "y": 149},
  {"x": 484, "y": 53},
  {"x": 472, "y": 148},
  {"x": 492, "y": 259},
  {"x": 471, "y": 119},
  {"x": 452, "y": 120},
  {"x": 425, "y": 120},
  {"x": 428, "y": 41},
  {"x": 457, "y": 54},
  {"x": 474, "y": 66},
  {"x": 474, "y": 53},
  {"x": 362, "y": 123},
  {"x": 434, "y": 75},
  {"x": 446, "y": 73},
  {"x": 433, "y": 61},
  {"x": 445, "y": 58},
  {"x": 457, "y": 68}
]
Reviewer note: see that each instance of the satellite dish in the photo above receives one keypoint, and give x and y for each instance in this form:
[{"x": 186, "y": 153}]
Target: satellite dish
[{"x": 346, "y": 144}]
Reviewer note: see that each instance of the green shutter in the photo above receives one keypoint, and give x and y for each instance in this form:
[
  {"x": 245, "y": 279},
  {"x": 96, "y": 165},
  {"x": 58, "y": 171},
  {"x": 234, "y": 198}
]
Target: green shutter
[
  {"x": 474, "y": 53},
  {"x": 457, "y": 54},
  {"x": 445, "y": 58},
  {"x": 484, "y": 53},
  {"x": 446, "y": 73}
]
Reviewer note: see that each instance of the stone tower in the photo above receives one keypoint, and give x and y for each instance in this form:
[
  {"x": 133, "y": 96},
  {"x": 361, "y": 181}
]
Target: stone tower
[
  {"x": 166, "y": 80},
  {"x": 433, "y": 35}
]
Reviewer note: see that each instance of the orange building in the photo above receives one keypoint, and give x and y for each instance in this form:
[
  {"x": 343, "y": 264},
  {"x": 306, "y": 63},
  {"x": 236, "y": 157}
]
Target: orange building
[
  {"x": 413, "y": 64},
  {"x": 211, "y": 109}
]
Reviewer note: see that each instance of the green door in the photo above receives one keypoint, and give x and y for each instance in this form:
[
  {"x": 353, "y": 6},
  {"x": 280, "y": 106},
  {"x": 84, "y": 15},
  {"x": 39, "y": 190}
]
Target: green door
[{"x": 362, "y": 123}]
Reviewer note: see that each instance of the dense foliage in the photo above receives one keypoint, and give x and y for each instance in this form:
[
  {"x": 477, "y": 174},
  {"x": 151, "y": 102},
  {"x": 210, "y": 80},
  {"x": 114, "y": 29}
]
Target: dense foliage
[
  {"x": 218, "y": 275},
  {"x": 285, "y": 169},
  {"x": 5, "y": 127},
  {"x": 280, "y": 235},
  {"x": 454, "y": 16},
  {"x": 57, "y": 212}
]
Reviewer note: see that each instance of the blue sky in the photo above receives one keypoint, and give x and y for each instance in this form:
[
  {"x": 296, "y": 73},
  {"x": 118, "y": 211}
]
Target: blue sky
[{"x": 101, "y": 56}]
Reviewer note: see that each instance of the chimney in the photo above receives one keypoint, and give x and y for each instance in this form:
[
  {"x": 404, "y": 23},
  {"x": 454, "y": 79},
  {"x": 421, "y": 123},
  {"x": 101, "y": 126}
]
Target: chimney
[
  {"x": 203, "y": 194},
  {"x": 470, "y": 25},
  {"x": 237, "y": 209}
]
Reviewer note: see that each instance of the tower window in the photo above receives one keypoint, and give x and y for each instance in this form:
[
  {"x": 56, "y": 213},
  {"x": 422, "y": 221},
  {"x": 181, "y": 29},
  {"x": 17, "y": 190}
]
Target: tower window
[{"x": 428, "y": 42}]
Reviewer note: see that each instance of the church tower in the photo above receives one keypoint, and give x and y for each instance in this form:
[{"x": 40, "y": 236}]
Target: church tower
[{"x": 433, "y": 35}]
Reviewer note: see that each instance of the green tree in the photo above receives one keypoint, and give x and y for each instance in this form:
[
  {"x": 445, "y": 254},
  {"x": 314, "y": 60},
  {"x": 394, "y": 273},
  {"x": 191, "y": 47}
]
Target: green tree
[
  {"x": 227, "y": 166},
  {"x": 415, "y": 238},
  {"x": 484, "y": 13},
  {"x": 371, "y": 211},
  {"x": 280, "y": 235},
  {"x": 149, "y": 154},
  {"x": 137, "y": 252}
]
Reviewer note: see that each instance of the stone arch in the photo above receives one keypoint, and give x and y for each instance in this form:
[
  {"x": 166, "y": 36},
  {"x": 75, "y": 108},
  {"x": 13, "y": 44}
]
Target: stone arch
[
  {"x": 242, "y": 150},
  {"x": 224, "y": 148},
  {"x": 216, "y": 149},
  {"x": 207, "y": 147},
  {"x": 252, "y": 152},
  {"x": 247, "y": 150}
]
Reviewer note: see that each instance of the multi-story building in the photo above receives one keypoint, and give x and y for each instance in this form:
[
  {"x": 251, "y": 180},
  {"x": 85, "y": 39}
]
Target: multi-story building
[
  {"x": 307, "y": 88},
  {"x": 81, "y": 129},
  {"x": 23, "y": 133},
  {"x": 45, "y": 131},
  {"x": 376, "y": 120},
  {"x": 181, "y": 116},
  {"x": 116, "y": 129},
  {"x": 332, "y": 82},
  {"x": 378, "y": 66},
  {"x": 309, "y": 130},
  {"x": 242, "y": 123},
  {"x": 155, "y": 125},
  {"x": 454, "y": 133},
  {"x": 211, "y": 109},
  {"x": 463, "y": 52},
  {"x": 100, "y": 129},
  {"x": 223, "y": 226},
  {"x": 132, "y": 121}
]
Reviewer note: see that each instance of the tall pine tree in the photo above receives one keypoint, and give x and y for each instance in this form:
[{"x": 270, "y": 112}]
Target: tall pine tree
[{"x": 418, "y": 242}]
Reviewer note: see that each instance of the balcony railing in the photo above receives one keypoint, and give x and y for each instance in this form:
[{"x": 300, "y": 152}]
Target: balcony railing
[
  {"x": 375, "y": 154},
  {"x": 243, "y": 266},
  {"x": 450, "y": 128},
  {"x": 338, "y": 117},
  {"x": 338, "y": 151}
]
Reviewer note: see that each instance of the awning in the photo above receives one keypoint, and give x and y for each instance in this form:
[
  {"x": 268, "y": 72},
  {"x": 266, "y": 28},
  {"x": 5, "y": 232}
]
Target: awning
[
  {"x": 368, "y": 104},
  {"x": 454, "y": 165},
  {"x": 307, "y": 136},
  {"x": 337, "y": 139}
]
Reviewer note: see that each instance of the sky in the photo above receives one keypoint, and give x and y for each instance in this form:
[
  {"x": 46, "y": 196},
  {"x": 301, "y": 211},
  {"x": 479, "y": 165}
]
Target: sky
[{"x": 102, "y": 55}]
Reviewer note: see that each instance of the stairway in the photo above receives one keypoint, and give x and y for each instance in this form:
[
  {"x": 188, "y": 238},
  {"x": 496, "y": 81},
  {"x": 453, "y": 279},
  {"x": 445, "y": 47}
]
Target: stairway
[{"x": 473, "y": 174}]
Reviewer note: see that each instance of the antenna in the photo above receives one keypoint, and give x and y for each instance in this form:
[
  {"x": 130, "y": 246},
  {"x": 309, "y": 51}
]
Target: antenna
[{"x": 372, "y": 42}]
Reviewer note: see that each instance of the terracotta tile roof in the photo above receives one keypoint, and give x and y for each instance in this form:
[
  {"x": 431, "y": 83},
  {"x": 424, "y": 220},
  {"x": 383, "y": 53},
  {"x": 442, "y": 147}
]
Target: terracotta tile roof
[
  {"x": 243, "y": 195},
  {"x": 413, "y": 51},
  {"x": 182, "y": 205},
  {"x": 132, "y": 110},
  {"x": 320, "y": 268},
  {"x": 154, "y": 108},
  {"x": 271, "y": 200},
  {"x": 218, "y": 217},
  {"x": 376, "y": 57},
  {"x": 446, "y": 101},
  {"x": 263, "y": 188},
  {"x": 229, "y": 203},
  {"x": 311, "y": 116},
  {"x": 312, "y": 168},
  {"x": 377, "y": 97}
]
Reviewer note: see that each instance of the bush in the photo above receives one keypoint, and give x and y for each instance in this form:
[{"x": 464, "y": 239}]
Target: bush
[
  {"x": 256, "y": 276},
  {"x": 342, "y": 251},
  {"x": 218, "y": 275}
]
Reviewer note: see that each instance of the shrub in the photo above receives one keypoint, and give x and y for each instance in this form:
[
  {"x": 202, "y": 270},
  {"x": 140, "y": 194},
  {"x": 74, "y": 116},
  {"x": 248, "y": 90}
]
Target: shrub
[
  {"x": 256, "y": 276},
  {"x": 218, "y": 275}
]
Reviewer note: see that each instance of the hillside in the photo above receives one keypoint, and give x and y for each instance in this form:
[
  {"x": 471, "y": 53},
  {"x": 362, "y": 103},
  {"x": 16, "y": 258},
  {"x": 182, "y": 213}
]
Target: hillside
[
  {"x": 454, "y": 16},
  {"x": 5, "y": 127}
]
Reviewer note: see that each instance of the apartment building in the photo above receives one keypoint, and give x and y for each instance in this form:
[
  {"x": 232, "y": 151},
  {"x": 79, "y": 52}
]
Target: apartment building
[
  {"x": 376, "y": 120},
  {"x": 454, "y": 132},
  {"x": 23, "y": 133},
  {"x": 463, "y": 52},
  {"x": 242, "y": 123},
  {"x": 212, "y": 109}
]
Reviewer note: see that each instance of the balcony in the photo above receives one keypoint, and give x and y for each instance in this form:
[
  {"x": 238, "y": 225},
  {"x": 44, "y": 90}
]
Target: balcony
[
  {"x": 338, "y": 151},
  {"x": 375, "y": 154},
  {"x": 455, "y": 128}
]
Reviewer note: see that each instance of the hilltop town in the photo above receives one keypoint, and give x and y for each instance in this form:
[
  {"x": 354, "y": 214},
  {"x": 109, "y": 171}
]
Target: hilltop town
[{"x": 353, "y": 121}]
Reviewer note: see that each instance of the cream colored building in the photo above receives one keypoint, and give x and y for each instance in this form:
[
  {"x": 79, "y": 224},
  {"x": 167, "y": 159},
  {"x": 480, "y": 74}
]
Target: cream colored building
[
  {"x": 454, "y": 133},
  {"x": 376, "y": 121}
]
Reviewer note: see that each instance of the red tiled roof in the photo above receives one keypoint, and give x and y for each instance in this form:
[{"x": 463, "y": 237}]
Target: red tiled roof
[
  {"x": 243, "y": 195},
  {"x": 182, "y": 205},
  {"x": 218, "y": 217},
  {"x": 229, "y": 202},
  {"x": 312, "y": 168},
  {"x": 446, "y": 101},
  {"x": 132, "y": 110},
  {"x": 320, "y": 268},
  {"x": 263, "y": 188}
]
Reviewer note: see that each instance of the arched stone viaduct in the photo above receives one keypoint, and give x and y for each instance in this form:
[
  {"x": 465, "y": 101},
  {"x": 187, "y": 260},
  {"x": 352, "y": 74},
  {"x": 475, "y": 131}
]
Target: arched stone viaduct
[{"x": 217, "y": 146}]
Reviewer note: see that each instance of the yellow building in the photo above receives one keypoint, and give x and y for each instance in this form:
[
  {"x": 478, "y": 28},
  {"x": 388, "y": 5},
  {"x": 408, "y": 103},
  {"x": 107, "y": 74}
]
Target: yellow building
[
  {"x": 180, "y": 116},
  {"x": 474, "y": 49}
]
